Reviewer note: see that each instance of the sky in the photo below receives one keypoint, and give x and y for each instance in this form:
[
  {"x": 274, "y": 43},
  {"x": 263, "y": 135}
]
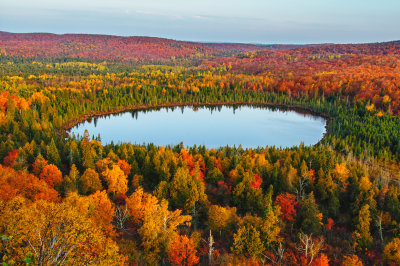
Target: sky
[{"x": 245, "y": 21}]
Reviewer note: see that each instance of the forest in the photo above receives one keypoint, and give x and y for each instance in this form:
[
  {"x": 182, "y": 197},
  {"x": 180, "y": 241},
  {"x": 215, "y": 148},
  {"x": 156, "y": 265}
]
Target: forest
[{"x": 74, "y": 201}]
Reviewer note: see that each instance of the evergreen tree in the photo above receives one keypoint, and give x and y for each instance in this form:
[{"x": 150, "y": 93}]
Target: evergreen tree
[
  {"x": 52, "y": 154},
  {"x": 308, "y": 218}
]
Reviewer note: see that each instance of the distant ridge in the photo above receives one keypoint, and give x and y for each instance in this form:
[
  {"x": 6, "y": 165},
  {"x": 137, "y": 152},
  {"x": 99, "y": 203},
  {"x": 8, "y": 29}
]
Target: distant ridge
[
  {"x": 108, "y": 47},
  {"x": 137, "y": 48}
]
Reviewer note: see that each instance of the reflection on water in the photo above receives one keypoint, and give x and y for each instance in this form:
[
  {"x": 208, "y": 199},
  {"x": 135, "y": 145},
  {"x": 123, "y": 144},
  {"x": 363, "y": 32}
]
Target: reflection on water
[{"x": 216, "y": 126}]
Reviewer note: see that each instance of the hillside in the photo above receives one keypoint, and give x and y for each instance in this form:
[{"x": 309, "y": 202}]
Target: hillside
[{"x": 115, "y": 48}]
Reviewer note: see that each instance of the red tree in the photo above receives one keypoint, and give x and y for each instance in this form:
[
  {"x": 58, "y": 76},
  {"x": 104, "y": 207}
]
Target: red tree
[
  {"x": 288, "y": 204},
  {"x": 125, "y": 167},
  {"x": 10, "y": 158},
  {"x": 183, "y": 252},
  {"x": 51, "y": 175},
  {"x": 13, "y": 183},
  {"x": 329, "y": 224},
  {"x": 257, "y": 181},
  {"x": 322, "y": 260}
]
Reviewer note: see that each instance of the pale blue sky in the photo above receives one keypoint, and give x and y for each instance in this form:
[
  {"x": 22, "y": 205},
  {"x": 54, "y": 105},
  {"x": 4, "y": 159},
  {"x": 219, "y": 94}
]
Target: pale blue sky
[{"x": 248, "y": 21}]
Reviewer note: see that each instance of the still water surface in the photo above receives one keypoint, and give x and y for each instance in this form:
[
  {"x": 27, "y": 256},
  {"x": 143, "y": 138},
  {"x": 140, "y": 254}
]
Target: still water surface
[{"x": 249, "y": 126}]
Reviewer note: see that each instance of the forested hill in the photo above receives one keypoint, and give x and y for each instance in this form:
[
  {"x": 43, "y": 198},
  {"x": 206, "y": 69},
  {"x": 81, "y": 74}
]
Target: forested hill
[
  {"x": 135, "y": 48},
  {"x": 116, "y": 48},
  {"x": 379, "y": 48}
]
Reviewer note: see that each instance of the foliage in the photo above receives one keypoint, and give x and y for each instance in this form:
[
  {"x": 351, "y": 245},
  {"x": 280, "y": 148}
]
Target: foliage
[
  {"x": 247, "y": 242},
  {"x": 51, "y": 175},
  {"x": 55, "y": 233},
  {"x": 256, "y": 201},
  {"x": 392, "y": 251},
  {"x": 351, "y": 260},
  {"x": 183, "y": 252},
  {"x": 362, "y": 235}
]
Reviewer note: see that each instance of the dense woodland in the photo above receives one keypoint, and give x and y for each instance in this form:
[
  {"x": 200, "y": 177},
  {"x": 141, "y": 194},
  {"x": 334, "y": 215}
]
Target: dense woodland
[{"x": 69, "y": 200}]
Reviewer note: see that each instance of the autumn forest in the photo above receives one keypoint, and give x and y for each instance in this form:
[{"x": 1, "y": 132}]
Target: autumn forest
[{"x": 76, "y": 201}]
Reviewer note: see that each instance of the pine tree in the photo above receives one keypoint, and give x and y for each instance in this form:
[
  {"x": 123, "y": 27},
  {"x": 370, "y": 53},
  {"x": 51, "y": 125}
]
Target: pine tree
[
  {"x": 52, "y": 154},
  {"x": 308, "y": 220},
  {"x": 87, "y": 152},
  {"x": 328, "y": 194}
]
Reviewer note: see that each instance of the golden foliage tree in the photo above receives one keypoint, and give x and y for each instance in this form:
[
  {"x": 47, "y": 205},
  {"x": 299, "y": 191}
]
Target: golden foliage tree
[
  {"x": 71, "y": 181},
  {"x": 97, "y": 207},
  {"x": 247, "y": 242},
  {"x": 157, "y": 226},
  {"x": 351, "y": 260},
  {"x": 138, "y": 203},
  {"x": 362, "y": 235},
  {"x": 55, "y": 233},
  {"x": 219, "y": 218},
  {"x": 116, "y": 180},
  {"x": 90, "y": 181},
  {"x": 391, "y": 251},
  {"x": 341, "y": 173}
]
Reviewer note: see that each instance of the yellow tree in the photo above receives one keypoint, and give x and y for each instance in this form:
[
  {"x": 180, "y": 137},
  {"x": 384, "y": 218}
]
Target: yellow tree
[
  {"x": 341, "y": 174},
  {"x": 247, "y": 242},
  {"x": 268, "y": 226},
  {"x": 71, "y": 181},
  {"x": 97, "y": 207},
  {"x": 101, "y": 211},
  {"x": 138, "y": 203},
  {"x": 159, "y": 229},
  {"x": 391, "y": 251},
  {"x": 362, "y": 235},
  {"x": 351, "y": 260},
  {"x": 103, "y": 164},
  {"x": 367, "y": 194},
  {"x": 219, "y": 218},
  {"x": 157, "y": 226},
  {"x": 55, "y": 233},
  {"x": 116, "y": 180},
  {"x": 90, "y": 181}
]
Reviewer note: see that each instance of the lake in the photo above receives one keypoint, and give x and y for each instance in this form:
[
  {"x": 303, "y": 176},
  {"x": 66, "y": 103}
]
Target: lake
[{"x": 248, "y": 126}]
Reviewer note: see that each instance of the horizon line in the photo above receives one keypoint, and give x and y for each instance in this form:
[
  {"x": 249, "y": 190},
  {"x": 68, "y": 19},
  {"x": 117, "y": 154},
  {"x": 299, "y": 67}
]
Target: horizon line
[{"x": 204, "y": 42}]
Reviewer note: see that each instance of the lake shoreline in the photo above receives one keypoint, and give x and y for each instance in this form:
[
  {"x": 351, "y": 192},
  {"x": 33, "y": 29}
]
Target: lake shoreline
[{"x": 297, "y": 108}]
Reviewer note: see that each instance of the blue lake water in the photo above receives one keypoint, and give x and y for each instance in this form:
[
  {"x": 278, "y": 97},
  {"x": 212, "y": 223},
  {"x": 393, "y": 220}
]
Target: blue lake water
[{"x": 249, "y": 126}]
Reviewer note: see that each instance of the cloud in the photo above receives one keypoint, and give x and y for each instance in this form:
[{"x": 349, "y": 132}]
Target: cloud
[
  {"x": 158, "y": 14},
  {"x": 200, "y": 17}
]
